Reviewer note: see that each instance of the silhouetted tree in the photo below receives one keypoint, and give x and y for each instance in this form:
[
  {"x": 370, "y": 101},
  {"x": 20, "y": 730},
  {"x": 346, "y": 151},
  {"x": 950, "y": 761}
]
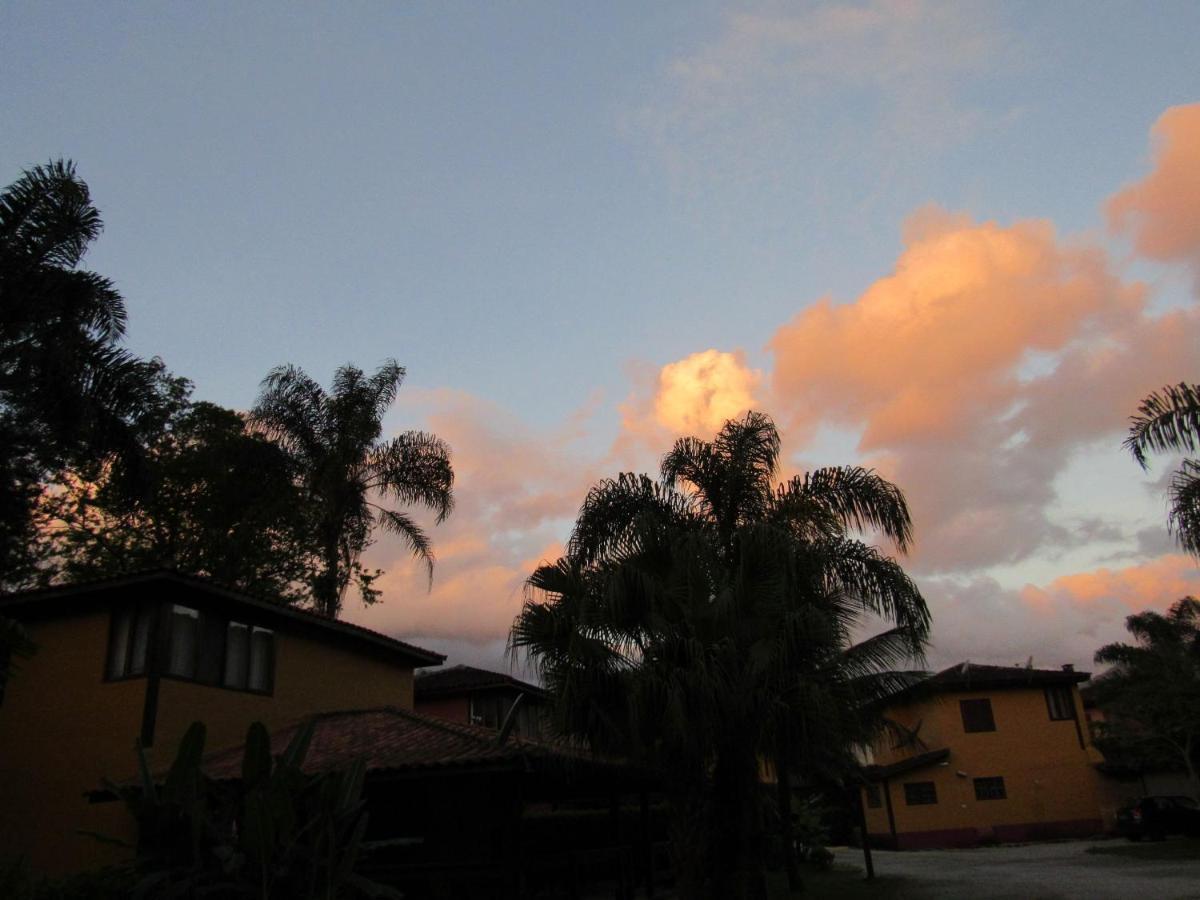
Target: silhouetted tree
[
  {"x": 211, "y": 499},
  {"x": 67, "y": 390},
  {"x": 346, "y": 470},
  {"x": 1169, "y": 420},
  {"x": 1151, "y": 696},
  {"x": 702, "y": 623}
]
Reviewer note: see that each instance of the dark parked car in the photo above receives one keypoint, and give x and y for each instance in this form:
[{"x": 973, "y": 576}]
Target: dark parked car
[{"x": 1157, "y": 817}]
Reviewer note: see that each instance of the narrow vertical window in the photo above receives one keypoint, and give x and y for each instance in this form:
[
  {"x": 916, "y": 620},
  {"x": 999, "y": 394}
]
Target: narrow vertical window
[
  {"x": 118, "y": 642},
  {"x": 185, "y": 640},
  {"x": 977, "y": 715},
  {"x": 1060, "y": 703},
  {"x": 261, "y": 657},
  {"x": 237, "y": 654}
]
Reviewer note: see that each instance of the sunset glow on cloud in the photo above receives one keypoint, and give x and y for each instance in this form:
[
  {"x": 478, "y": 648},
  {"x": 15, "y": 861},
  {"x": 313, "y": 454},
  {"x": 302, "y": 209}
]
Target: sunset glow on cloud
[
  {"x": 974, "y": 373},
  {"x": 1162, "y": 211}
]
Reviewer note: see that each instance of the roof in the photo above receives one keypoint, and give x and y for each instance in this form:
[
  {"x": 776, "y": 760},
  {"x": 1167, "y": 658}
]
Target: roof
[
  {"x": 389, "y": 739},
  {"x": 933, "y": 757},
  {"x": 463, "y": 679},
  {"x": 968, "y": 676},
  {"x": 60, "y": 598}
]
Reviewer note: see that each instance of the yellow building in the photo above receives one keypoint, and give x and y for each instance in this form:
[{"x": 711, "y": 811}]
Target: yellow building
[
  {"x": 139, "y": 658},
  {"x": 987, "y": 753}
]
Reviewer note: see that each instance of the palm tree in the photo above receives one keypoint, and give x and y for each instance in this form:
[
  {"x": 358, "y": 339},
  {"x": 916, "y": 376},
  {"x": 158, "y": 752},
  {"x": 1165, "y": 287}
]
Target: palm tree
[
  {"x": 702, "y": 623},
  {"x": 68, "y": 391},
  {"x": 347, "y": 470},
  {"x": 1169, "y": 420},
  {"x": 1151, "y": 696}
]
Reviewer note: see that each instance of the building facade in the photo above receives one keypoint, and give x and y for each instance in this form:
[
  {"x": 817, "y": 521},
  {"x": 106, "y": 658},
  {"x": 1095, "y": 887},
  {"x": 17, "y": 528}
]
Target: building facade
[
  {"x": 987, "y": 753},
  {"x": 481, "y": 697},
  {"x": 138, "y": 659}
]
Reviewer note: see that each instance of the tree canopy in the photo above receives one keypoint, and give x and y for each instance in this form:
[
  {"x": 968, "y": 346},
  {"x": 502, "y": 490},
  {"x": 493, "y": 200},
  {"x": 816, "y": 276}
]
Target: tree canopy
[
  {"x": 347, "y": 470},
  {"x": 703, "y": 623}
]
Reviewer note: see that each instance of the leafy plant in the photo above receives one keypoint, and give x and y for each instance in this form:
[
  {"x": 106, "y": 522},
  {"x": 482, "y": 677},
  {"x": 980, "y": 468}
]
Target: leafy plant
[{"x": 278, "y": 832}]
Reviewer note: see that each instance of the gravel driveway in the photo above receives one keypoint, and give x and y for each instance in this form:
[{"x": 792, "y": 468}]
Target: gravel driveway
[{"x": 1037, "y": 872}]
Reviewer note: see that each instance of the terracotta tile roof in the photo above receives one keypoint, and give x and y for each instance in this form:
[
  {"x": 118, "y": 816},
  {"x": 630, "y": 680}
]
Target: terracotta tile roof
[
  {"x": 391, "y": 739},
  {"x": 463, "y": 679},
  {"x": 43, "y": 597}
]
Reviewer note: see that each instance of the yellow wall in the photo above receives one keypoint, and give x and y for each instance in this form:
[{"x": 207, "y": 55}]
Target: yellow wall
[
  {"x": 63, "y": 729},
  {"x": 1048, "y": 777},
  {"x": 310, "y": 677}
]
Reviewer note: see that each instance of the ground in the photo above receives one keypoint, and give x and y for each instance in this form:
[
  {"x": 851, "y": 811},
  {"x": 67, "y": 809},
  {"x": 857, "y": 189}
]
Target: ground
[{"x": 1096, "y": 870}]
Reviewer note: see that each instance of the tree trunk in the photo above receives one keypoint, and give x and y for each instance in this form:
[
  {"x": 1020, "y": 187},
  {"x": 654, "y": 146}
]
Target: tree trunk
[
  {"x": 783, "y": 796},
  {"x": 737, "y": 828}
]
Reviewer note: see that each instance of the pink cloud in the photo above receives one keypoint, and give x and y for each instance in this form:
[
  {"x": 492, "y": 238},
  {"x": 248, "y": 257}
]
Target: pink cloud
[{"x": 1162, "y": 211}]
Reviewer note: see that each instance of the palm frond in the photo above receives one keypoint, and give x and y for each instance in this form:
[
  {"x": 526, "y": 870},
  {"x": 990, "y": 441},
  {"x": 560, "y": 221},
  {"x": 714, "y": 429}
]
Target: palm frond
[
  {"x": 1168, "y": 419},
  {"x": 414, "y": 468}
]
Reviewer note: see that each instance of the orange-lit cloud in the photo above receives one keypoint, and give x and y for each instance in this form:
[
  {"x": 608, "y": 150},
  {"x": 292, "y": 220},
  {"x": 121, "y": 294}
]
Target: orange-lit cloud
[
  {"x": 1162, "y": 211},
  {"x": 698, "y": 394},
  {"x": 974, "y": 370},
  {"x": 517, "y": 492},
  {"x": 1065, "y": 621}
]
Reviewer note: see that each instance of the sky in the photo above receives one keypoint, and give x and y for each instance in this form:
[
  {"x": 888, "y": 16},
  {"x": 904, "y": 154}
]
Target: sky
[{"x": 956, "y": 242}]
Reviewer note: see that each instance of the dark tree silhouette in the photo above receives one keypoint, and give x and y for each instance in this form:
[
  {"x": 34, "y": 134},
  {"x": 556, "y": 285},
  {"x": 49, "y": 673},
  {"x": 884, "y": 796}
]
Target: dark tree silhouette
[
  {"x": 702, "y": 623},
  {"x": 346, "y": 470},
  {"x": 68, "y": 392},
  {"x": 212, "y": 499},
  {"x": 1151, "y": 696},
  {"x": 1169, "y": 421}
]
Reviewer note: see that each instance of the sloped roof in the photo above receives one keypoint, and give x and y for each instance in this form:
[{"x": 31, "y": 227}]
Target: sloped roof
[
  {"x": 389, "y": 739},
  {"x": 920, "y": 761},
  {"x": 463, "y": 679},
  {"x": 61, "y": 597},
  {"x": 968, "y": 676}
]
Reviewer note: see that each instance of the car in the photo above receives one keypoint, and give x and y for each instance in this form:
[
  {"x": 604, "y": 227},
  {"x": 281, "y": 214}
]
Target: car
[{"x": 1157, "y": 817}]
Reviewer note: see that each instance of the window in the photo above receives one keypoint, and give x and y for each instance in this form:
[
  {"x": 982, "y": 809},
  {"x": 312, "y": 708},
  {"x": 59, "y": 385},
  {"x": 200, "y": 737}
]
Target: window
[
  {"x": 977, "y": 715},
  {"x": 920, "y": 793},
  {"x": 991, "y": 788},
  {"x": 874, "y": 796},
  {"x": 489, "y": 710},
  {"x": 129, "y": 641},
  {"x": 195, "y": 645},
  {"x": 184, "y": 641},
  {"x": 1060, "y": 702},
  {"x": 249, "y": 657}
]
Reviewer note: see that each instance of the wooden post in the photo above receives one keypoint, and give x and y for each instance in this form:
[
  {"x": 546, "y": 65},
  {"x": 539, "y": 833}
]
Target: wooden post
[{"x": 866, "y": 838}]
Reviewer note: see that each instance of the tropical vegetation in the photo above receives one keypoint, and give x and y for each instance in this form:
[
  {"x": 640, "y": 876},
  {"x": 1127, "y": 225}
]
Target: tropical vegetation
[
  {"x": 704, "y": 622},
  {"x": 344, "y": 466},
  {"x": 1168, "y": 420},
  {"x": 1151, "y": 695}
]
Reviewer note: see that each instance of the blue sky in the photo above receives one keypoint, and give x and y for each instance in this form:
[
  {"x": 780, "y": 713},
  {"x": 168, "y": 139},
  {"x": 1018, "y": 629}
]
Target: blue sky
[{"x": 536, "y": 206}]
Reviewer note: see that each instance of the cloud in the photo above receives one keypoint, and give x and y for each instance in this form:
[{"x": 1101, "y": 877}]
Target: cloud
[
  {"x": 517, "y": 491},
  {"x": 747, "y": 102},
  {"x": 1162, "y": 211},
  {"x": 973, "y": 371},
  {"x": 1065, "y": 621}
]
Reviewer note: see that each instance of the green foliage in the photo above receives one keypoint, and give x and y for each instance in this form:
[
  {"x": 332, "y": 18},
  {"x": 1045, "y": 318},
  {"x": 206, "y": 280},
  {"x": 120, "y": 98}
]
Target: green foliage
[
  {"x": 209, "y": 498},
  {"x": 343, "y": 466},
  {"x": 703, "y": 622},
  {"x": 18, "y": 883},
  {"x": 1151, "y": 695},
  {"x": 279, "y": 832},
  {"x": 68, "y": 391}
]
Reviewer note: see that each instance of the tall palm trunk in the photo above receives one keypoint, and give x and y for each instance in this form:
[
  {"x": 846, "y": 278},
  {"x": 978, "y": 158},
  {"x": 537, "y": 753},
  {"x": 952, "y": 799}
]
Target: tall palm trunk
[
  {"x": 738, "y": 873},
  {"x": 783, "y": 797}
]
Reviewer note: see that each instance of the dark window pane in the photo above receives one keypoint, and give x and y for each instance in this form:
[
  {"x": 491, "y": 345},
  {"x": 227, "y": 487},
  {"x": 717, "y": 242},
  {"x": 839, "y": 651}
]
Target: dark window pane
[
  {"x": 185, "y": 638},
  {"x": 874, "y": 796},
  {"x": 141, "y": 640},
  {"x": 210, "y": 663},
  {"x": 261, "y": 656},
  {"x": 237, "y": 655},
  {"x": 1060, "y": 702},
  {"x": 118, "y": 642},
  {"x": 920, "y": 793},
  {"x": 990, "y": 788},
  {"x": 977, "y": 715}
]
